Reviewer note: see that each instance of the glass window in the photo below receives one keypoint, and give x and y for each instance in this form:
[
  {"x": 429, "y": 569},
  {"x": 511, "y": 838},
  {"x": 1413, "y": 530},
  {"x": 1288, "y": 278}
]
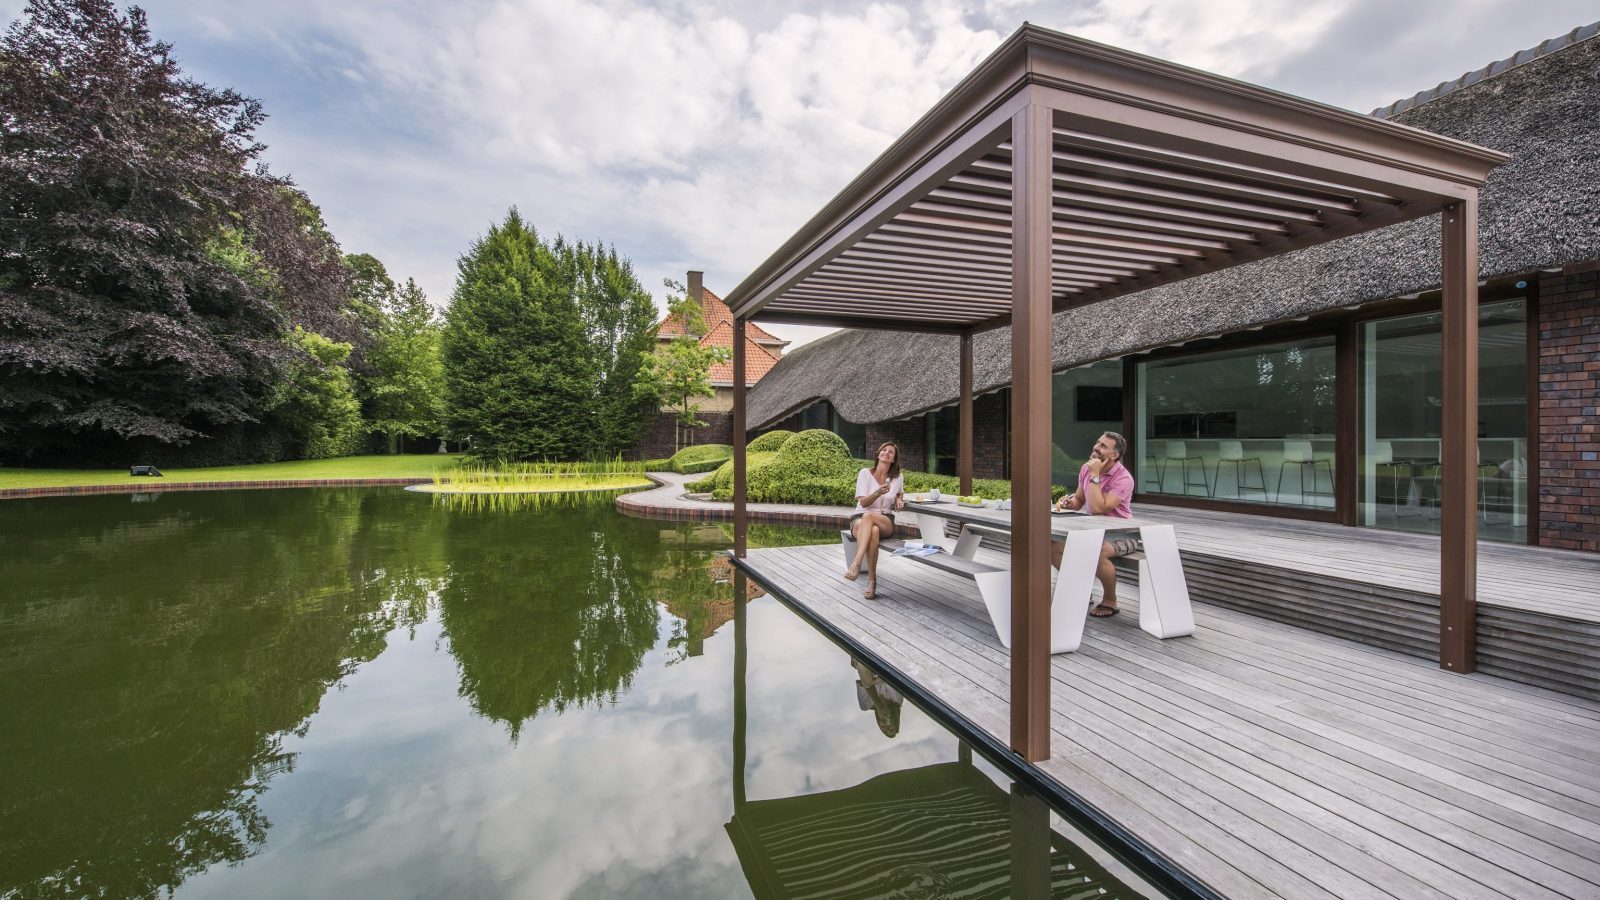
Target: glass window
[
  {"x": 1254, "y": 424},
  {"x": 854, "y": 436},
  {"x": 1086, "y": 403},
  {"x": 1402, "y": 416}
]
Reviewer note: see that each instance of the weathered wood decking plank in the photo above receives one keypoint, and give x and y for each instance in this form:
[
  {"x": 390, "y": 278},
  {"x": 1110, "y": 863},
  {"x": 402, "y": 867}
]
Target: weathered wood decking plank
[
  {"x": 1536, "y": 579},
  {"x": 1268, "y": 759}
]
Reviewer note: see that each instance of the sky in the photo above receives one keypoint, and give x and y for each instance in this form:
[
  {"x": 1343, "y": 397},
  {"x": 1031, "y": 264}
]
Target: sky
[{"x": 701, "y": 135}]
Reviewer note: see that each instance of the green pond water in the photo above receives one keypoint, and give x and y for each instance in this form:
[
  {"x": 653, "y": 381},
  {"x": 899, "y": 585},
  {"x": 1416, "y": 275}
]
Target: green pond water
[{"x": 377, "y": 693}]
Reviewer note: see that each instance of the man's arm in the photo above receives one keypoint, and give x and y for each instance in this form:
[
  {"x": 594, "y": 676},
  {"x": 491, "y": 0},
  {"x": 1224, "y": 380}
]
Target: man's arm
[{"x": 1102, "y": 503}]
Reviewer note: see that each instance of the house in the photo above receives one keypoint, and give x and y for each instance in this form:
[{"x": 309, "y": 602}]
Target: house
[
  {"x": 1332, "y": 409},
  {"x": 762, "y": 351}
]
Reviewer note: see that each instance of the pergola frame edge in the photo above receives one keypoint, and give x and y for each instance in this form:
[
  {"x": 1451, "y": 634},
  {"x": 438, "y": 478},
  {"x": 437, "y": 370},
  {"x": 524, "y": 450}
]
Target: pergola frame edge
[{"x": 1038, "y": 86}]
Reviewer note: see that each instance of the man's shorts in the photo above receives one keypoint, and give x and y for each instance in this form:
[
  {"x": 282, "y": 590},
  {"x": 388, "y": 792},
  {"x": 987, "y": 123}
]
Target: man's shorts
[{"x": 1124, "y": 546}]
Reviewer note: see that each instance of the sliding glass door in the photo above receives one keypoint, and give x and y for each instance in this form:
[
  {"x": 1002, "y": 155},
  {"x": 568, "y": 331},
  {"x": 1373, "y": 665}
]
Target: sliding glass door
[
  {"x": 1401, "y": 411},
  {"x": 1254, "y": 424}
]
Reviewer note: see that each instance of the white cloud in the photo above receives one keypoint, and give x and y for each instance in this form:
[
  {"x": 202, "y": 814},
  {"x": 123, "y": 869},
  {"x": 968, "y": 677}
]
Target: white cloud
[{"x": 701, "y": 133}]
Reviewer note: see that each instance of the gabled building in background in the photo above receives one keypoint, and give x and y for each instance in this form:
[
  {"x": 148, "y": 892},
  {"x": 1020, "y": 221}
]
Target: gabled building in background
[{"x": 762, "y": 352}]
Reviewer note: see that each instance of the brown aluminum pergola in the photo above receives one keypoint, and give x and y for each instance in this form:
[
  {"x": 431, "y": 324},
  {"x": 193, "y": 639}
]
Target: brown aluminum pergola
[{"x": 1063, "y": 172}]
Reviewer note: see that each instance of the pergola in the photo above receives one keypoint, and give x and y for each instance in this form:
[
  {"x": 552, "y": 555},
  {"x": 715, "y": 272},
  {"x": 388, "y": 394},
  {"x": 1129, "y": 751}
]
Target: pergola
[{"x": 1063, "y": 172}]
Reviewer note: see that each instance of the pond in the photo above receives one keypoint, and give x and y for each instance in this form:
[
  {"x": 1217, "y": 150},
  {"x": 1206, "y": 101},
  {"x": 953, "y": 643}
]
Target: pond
[{"x": 370, "y": 692}]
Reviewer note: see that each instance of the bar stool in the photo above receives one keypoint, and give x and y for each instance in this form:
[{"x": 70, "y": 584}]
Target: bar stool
[
  {"x": 1233, "y": 452},
  {"x": 1178, "y": 451},
  {"x": 1384, "y": 466},
  {"x": 1301, "y": 453}
]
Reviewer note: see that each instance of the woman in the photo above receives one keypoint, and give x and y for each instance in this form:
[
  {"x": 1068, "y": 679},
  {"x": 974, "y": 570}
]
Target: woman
[{"x": 879, "y": 492}]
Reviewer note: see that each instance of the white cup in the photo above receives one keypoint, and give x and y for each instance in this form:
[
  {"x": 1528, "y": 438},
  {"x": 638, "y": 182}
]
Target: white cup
[{"x": 933, "y": 494}]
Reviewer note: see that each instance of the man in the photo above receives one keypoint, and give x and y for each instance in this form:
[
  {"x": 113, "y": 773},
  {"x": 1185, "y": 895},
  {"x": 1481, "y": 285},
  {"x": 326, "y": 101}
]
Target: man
[{"x": 1105, "y": 488}]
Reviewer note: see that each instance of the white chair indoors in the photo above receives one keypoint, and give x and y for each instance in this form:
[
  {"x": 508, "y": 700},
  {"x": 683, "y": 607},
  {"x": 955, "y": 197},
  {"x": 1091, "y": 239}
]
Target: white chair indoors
[
  {"x": 1232, "y": 453},
  {"x": 1178, "y": 452},
  {"x": 1304, "y": 456}
]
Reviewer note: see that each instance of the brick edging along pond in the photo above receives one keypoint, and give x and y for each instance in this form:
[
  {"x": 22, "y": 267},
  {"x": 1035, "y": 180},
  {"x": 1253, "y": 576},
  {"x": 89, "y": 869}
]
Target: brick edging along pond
[{"x": 158, "y": 486}]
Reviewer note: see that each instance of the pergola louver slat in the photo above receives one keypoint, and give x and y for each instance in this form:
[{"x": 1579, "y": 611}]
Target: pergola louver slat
[{"x": 1128, "y": 172}]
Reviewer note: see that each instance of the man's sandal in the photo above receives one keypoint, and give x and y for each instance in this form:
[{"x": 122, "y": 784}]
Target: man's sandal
[{"x": 1104, "y": 612}]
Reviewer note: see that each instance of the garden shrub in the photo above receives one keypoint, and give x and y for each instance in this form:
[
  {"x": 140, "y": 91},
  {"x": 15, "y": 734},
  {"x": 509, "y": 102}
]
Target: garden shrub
[
  {"x": 771, "y": 442},
  {"x": 814, "y": 467},
  {"x": 657, "y": 465},
  {"x": 720, "y": 482},
  {"x": 699, "y": 458}
]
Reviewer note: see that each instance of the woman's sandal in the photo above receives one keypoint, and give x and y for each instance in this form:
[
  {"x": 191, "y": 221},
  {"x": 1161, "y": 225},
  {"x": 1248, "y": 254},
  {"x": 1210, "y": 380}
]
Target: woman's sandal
[
  {"x": 871, "y": 592},
  {"x": 1104, "y": 612},
  {"x": 851, "y": 573}
]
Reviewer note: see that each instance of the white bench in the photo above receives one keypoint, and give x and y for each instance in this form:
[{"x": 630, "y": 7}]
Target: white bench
[{"x": 1164, "y": 609}]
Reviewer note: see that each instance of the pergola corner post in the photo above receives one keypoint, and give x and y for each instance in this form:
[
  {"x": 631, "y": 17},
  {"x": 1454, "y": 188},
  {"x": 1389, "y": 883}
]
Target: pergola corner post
[
  {"x": 1458, "y": 477},
  {"x": 739, "y": 512},
  {"x": 1031, "y": 235},
  {"x": 964, "y": 447}
]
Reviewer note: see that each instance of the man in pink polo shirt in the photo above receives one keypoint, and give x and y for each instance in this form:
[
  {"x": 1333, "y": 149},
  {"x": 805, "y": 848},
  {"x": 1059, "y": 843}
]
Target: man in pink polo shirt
[{"x": 1105, "y": 488}]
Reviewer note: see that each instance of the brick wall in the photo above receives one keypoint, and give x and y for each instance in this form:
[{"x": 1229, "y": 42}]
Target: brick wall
[
  {"x": 910, "y": 435},
  {"x": 1569, "y": 410},
  {"x": 989, "y": 435},
  {"x": 661, "y": 438}
]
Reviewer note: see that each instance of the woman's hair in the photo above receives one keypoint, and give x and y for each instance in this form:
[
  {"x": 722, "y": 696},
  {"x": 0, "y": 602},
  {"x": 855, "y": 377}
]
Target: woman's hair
[{"x": 894, "y": 467}]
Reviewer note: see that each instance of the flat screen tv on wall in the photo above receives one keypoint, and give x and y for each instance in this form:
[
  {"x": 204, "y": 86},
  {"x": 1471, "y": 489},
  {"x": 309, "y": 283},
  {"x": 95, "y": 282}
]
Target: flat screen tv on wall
[{"x": 1098, "y": 403}]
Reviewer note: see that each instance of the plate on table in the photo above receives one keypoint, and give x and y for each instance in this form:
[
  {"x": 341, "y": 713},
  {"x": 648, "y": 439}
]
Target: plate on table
[{"x": 979, "y": 505}]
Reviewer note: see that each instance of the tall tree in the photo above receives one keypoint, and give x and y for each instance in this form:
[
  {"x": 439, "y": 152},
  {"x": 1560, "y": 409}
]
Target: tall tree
[
  {"x": 518, "y": 364},
  {"x": 120, "y": 314},
  {"x": 316, "y": 401},
  {"x": 406, "y": 382},
  {"x": 620, "y": 318},
  {"x": 150, "y": 268},
  {"x": 678, "y": 373}
]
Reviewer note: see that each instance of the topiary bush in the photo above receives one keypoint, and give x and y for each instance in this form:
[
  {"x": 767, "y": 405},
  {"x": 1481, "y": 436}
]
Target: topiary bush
[
  {"x": 814, "y": 467},
  {"x": 699, "y": 458},
  {"x": 771, "y": 442},
  {"x": 720, "y": 482},
  {"x": 657, "y": 465}
]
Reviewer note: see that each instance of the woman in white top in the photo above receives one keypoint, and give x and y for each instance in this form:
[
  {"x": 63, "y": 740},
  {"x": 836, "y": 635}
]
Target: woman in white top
[{"x": 879, "y": 492}]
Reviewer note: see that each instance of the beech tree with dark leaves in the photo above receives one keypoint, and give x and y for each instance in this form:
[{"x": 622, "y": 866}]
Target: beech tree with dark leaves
[{"x": 150, "y": 268}]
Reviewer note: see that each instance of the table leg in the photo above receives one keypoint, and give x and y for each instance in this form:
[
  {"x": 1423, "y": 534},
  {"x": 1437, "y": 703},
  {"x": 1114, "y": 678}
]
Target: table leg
[
  {"x": 1164, "y": 608},
  {"x": 1069, "y": 602}
]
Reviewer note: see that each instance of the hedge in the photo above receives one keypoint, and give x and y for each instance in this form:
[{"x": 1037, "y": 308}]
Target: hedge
[
  {"x": 771, "y": 442},
  {"x": 699, "y": 458},
  {"x": 814, "y": 467}
]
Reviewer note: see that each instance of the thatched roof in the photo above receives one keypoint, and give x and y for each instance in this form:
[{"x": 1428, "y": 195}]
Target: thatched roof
[{"x": 1539, "y": 211}]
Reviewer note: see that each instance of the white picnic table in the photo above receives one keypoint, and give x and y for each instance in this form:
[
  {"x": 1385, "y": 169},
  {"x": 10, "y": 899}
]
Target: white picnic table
[{"x": 1164, "y": 609}]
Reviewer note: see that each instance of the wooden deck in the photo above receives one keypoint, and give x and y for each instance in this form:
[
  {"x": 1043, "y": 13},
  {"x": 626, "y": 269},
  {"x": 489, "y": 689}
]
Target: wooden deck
[
  {"x": 1266, "y": 759},
  {"x": 1538, "y": 609}
]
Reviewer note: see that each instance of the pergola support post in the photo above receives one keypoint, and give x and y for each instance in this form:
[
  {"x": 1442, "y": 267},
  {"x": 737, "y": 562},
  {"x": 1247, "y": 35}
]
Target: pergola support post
[
  {"x": 964, "y": 448},
  {"x": 1458, "y": 477},
  {"x": 739, "y": 512},
  {"x": 1031, "y": 183}
]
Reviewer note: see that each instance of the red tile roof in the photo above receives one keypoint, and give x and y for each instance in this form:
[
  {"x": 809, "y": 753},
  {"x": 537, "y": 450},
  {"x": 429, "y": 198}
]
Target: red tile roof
[
  {"x": 716, "y": 312},
  {"x": 758, "y": 359}
]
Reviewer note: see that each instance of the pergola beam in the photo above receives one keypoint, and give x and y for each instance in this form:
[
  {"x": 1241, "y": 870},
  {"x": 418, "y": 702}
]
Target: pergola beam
[
  {"x": 1030, "y": 434},
  {"x": 1458, "y": 480}
]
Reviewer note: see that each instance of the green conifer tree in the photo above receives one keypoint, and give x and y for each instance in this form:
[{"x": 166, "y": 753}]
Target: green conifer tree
[{"x": 518, "y": 366}]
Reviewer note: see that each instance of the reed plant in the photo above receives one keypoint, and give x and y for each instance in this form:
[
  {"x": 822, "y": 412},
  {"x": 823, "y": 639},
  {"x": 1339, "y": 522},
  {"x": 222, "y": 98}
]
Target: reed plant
[
  {"x": 523, "y": 501},
  {"x": 541, "y": 476}
]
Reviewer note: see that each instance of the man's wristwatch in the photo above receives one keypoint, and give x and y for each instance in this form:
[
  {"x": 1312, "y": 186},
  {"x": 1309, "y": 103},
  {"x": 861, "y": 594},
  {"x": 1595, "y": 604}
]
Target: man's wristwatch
[{"x": 1094, "y": 479}]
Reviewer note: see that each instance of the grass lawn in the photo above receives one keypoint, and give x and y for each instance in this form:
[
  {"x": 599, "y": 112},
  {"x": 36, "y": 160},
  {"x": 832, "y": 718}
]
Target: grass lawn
[{"x": 421, "y": 465}]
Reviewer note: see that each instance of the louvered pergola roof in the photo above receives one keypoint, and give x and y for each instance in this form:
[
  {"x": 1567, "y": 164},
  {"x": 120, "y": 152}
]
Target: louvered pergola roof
[{"x": 1158, "y": 172}]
